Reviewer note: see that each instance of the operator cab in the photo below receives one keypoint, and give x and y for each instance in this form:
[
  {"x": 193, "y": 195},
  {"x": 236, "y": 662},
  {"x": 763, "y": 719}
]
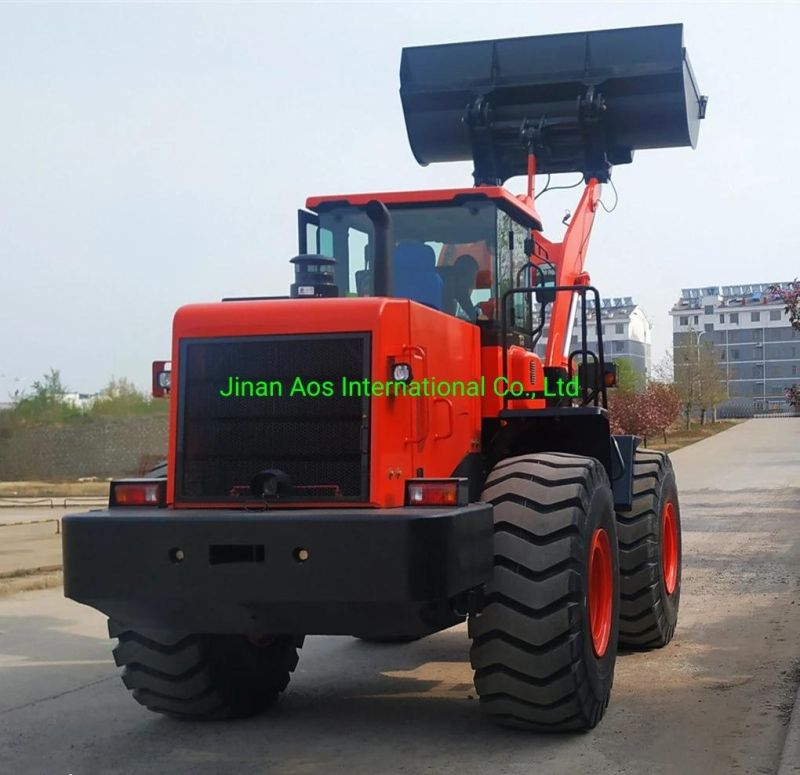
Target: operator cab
[{"x": 458, "y": 252}]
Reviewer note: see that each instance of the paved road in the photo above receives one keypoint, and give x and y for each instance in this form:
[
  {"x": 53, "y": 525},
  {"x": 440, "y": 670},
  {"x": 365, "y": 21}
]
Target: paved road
[{"x": 715, "y": 701}]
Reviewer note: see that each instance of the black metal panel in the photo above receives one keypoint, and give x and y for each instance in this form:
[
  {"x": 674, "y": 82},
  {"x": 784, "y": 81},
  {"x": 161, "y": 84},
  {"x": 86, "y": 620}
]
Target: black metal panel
[
  {"x": 578, "y": 430},
  {"x": 577, "y": 99},
  {"x": 321, "y": 442},
  {"x": 379, "y": 572},
  {"x": 622, "y": 481}
]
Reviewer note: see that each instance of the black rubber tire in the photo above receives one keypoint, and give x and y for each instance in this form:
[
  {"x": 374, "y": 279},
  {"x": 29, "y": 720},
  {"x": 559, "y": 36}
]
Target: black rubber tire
[
  {"x": 648, "y": 614},
  {"x": 204, "y": 677},
  {"x": 532, "y": 652}
]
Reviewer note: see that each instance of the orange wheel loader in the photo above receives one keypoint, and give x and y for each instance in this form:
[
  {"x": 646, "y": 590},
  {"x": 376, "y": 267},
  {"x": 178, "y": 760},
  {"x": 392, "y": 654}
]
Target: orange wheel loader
[{"x": 417, "y": 435}]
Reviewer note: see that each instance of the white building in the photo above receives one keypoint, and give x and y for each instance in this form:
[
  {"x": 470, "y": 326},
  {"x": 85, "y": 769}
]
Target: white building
[
  {"x": 82, "y": 401},
  {"x": 759, "y": 351},
  {"x": 626, "y": 331}
]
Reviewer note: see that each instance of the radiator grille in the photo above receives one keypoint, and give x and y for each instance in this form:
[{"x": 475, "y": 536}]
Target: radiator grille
[{"x": 321, "y": 442}]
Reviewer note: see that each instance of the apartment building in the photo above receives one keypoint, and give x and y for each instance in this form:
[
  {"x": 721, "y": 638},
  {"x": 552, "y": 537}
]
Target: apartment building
[
  {"x": 626, "y": 332},
  {"x": 759, "y": 351}
]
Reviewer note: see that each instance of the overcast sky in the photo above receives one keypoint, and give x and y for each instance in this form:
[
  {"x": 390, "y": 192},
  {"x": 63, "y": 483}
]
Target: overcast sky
[{"x": 154, "y": 155}]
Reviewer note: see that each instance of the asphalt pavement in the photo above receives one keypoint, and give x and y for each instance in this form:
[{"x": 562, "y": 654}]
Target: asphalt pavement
[{"x": 718, "y": 699}]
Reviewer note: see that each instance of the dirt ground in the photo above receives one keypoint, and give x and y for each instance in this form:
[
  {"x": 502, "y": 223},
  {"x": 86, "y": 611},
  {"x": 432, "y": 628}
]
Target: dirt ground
[{"x": 679, "y": 436}]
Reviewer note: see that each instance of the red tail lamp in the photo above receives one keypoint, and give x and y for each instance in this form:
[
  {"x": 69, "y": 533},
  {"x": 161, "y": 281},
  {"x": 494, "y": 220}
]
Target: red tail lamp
[
  {"x": 138, "y": 492},
  {"x": 437, "y": 492}
]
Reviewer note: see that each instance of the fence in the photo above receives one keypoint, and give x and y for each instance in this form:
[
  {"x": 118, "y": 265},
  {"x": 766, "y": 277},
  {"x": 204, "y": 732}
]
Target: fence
[{"x": 100, "y": 448}]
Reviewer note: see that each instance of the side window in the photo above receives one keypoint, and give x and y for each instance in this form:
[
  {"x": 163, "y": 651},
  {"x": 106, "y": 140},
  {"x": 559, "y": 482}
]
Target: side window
[
  {"x": 312, "y": 237},
  {"x": 325, "y": 242},
  {"x": 359, "y": 277},
  {"x": 514, "y": 267}
]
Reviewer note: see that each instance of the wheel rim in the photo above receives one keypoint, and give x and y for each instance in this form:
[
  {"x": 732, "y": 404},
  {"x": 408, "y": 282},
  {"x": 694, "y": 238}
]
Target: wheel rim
[
  {"x": 669, "y": 546},
  {"x": 601, "y": 591}
]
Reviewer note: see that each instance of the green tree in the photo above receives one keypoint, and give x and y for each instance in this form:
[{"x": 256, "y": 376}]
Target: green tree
[
  {"x": 45, "y": 401},
  {"x": 711, "y": 383},
  {"x": 629, "y": 378},
  {"x": 121, "y": 398},
  {"x": 698, "y": 377}
]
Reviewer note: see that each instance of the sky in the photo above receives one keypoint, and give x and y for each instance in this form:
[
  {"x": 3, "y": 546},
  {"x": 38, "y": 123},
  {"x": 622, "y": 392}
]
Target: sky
[{"x": 153, "y": 155}]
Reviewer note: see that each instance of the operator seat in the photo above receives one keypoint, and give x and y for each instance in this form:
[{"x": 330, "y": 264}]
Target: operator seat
[{"x": 414, "y": 274}]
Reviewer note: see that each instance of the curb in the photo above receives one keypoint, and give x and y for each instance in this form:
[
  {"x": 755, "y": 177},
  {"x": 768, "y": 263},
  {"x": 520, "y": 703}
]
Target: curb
[{"x": 790, "y": 758}]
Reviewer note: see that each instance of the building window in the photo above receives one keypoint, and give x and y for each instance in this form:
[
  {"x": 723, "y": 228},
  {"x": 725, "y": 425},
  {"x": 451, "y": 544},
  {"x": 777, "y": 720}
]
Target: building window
[
  {"x": 617, "y": 346},
  {"x": 734, "y": 316},
  {"x": 708, "y": 309},
  {"x": 755, "y": 317},
  {"x": 684, "y": 320},
  {"x": 758, "y": 388},
  {"x": 722, "y": 318},
  {"x": 734, "y": 355},
  {"x": 774, "y": 314},
  {"x": 619, "y": 328},
  {"x": 708, "y": 327},
  {"x": 696, "y": 319},
  {"x": 794, "y": 370}
]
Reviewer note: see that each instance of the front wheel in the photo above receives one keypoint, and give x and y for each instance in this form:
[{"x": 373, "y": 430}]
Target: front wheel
[{"x": 545, "y": 645}]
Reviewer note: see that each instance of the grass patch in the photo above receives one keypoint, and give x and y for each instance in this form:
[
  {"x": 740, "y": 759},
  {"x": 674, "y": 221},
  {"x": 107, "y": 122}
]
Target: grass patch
[{"x": 678, "y": 436}]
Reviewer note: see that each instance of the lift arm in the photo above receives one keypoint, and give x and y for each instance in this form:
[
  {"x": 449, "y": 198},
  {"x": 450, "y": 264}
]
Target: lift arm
[{"x": 568, "y": 257}]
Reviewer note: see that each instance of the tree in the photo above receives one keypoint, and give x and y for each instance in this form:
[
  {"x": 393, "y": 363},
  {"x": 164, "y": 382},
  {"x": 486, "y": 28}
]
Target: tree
[
  {"x": 45, "y": 401},
  {"x": 646, "y": 413},
  {"x": 711, "y": 384},
  {"x": 791, "y": 298},
  {"x": 793, "y": 397},
  {"x": 629, "y": 378},
  {"x": 664, "y": 370},
  {"x": 121, "y": 398},
  {"x": 687, "y": 382},
  {"x": 698, "y": 377},
  {"x": 664, "y": 406}
]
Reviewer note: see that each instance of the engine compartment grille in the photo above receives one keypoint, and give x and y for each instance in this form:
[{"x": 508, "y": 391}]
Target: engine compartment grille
[{"x": 320, "y": 442}]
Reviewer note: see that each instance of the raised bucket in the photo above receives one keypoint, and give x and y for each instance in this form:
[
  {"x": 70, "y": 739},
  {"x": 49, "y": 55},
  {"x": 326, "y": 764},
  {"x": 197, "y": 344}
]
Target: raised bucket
[{"x": 586, "y": 99}]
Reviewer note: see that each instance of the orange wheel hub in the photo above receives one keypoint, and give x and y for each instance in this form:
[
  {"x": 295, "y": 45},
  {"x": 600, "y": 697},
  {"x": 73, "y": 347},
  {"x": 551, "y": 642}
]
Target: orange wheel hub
[
  {"x": 669, "y": 546},
  {"x": 601, "y": 591}
]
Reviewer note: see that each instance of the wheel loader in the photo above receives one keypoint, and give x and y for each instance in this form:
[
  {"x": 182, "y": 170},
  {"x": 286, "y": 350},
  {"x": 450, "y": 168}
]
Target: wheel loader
[{"x": 417, "y": 436}]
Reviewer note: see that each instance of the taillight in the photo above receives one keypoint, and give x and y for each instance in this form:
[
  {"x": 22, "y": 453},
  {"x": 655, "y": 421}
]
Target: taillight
[
  {"x": 437, "y": 492},
  {"x": 138, "y": 492}
]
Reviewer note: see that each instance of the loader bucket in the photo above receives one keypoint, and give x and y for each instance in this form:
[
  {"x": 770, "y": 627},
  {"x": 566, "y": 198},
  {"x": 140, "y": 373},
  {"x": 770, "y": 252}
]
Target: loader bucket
[{"x": 580, "y": 101}]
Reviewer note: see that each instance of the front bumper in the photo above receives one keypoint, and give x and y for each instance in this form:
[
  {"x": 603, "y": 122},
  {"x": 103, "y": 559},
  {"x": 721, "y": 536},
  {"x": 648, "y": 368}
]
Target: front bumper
[{"x": 368, "y": 572}]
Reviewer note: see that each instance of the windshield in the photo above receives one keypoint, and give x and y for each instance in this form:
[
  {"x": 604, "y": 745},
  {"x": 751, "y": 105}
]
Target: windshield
[{"x": 446, "y": 256}]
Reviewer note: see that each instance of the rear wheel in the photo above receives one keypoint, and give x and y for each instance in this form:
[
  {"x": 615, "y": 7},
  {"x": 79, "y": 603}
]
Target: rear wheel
[
  {"x": 650, "y": 555},
  {"x": 204, "y": 677},
  {"x": 544, "y": 647}
]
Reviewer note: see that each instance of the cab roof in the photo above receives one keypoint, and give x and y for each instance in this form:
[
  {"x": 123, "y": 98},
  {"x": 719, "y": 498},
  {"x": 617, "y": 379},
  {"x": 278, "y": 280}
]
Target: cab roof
[{"x": 520, "y": 206}]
